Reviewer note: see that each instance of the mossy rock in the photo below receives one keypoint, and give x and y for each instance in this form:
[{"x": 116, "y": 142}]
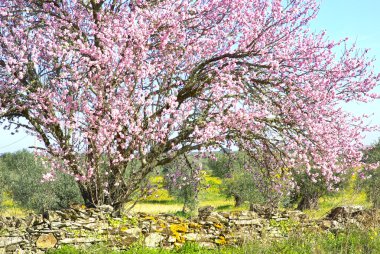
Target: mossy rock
[
  {"x": 181, "y": 228},
  {"x": 221, "y": 240}
]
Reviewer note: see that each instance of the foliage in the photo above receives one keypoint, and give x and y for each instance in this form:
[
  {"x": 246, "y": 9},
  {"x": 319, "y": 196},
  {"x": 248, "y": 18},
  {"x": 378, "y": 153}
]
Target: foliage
[
  {"x": 309, "y": 188},
  {"x": 347, "y": 196},
  {"x": 104, "y": 83},
  {"x": 2, "y": 184},
  {"x": 243, "y": 187},
  {"x": 246, "y": 180},
  {"x": 183, "y": 180},
  {"x": 370, "y": 179},
  {"x": 22, "y": 174},
  {"x": 221, "y": 164}
]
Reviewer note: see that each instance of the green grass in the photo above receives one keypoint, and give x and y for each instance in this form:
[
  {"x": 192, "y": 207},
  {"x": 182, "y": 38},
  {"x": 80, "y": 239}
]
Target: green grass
[
  {"x": 351, "y": 195},
  {"x": 161, "y": 202},
  {"x": 10, "y": 208}
]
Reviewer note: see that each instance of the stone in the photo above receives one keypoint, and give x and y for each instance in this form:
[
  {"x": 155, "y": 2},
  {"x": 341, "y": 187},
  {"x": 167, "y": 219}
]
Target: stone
[
  {"x": 171, "y": 239},
  {"x": 135, "y": 232},
  {"x": 46, "y": 241},
  {"x": 80, "y": 240},
  {"x": 205, "y": 211},
  {"x": 296, "y": 215},
  {"x": 326, "y": 224},
  {"x": 13, "y": 248},
  {"x": 51, "y": 216},
  {"x": 192, "y": 237},
  {"x": 55, "y": 224},
  {"x": 212, "y": 219},
  {"x": 248, "y": 222},
  {"x": 222, "y": 218},
  {"x": 106, "y": 208},
  {"x": 344, "y": 212},
  {"x": 84, "y": 227},
  {"x": 6, "y": 241},
  {"x": 153, "y": 240}
]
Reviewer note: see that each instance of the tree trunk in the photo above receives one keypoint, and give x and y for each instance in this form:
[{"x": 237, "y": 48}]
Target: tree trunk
[
  {"x": 308, "y": 202},
  {"x": 238, "y": 200},
  {"x": 86, "y": 195}
]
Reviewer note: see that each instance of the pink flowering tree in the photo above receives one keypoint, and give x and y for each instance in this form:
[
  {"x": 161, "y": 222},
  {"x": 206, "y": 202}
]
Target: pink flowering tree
[{"x": 115, "y": 88}]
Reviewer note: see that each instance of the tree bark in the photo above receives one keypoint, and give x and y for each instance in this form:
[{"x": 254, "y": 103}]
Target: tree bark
[
  {"x": 238, "y": 200},
  {"x": 86, "y": 195},
  {"x": 308, "y": 202}
]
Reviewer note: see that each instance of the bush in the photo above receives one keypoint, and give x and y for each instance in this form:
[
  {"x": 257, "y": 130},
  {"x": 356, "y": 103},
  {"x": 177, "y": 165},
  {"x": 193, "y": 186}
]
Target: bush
[
  {"x": 222, "y": 165},
  {"x": 182, "y": 178},
  {"x": 370, "y": 180},
  {"x": 244, "y": 179},
  {"x": 22, "y": 174},
  {"x": 308, "y": 191},
  {"x": 242, "y": 187}
]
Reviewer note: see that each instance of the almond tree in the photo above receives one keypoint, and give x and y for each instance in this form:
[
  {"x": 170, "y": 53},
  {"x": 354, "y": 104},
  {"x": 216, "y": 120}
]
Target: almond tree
[{"x": 115, "y": 88}]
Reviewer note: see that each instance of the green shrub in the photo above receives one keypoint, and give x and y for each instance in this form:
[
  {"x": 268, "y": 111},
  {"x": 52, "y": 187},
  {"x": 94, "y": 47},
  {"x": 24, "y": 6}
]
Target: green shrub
[
  {"x": 183, "y": 180},
  {"x": 308, "y": 192},
  {"x": 243, "y": 178},
  {"x": 370, "y": 179},
  {"x": 22, "y": 174}
]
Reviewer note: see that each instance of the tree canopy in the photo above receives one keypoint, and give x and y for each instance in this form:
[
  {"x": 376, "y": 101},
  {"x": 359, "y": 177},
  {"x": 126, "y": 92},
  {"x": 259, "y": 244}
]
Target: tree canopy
[{"x": 115, "y": 88}]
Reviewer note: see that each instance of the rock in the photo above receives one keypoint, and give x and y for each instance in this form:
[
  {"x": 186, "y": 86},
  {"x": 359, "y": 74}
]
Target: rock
[
  {"x": 212, "y": 219},
  {"x": 171, "y": 239},
  {"x": 263, "y": 210},
  {"x": 145, "y": 227},
  {"x": 34, "y": 220},
  {"x": 296, "y": 215},
  {"x": 153, "y": 240},
  {"x": 205, "y": 211},
  {"x": 192, "y": 237},
  {"x": 325, "y": 224},
  {"x": 247, "y": 215},
  {"x": 46, "y": 241},
  {"x": 344, "y": 212},
  {"x": 106, "y": 208},
  {"x": 6, "y": 241},
  {"x": 220, "y": 217},
  {"x": 13, "y": 249},
  {"x": 51, "y": 216},
  {"x": 248, "y": 222},
  {"x": 135, "y": 232},
  {"x": 80, "y": 240}
]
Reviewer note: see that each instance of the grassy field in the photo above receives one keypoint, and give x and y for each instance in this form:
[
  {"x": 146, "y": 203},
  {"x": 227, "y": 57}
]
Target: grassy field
[
  {"x": 351, "y": 195},
  {"x": 161, "y": 202}
]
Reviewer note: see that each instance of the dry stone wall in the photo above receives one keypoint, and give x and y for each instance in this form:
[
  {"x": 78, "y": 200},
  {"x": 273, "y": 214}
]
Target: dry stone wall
[{"x": 78, "y": 226}]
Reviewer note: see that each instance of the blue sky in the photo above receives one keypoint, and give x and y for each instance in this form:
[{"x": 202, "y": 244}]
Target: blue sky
[{"x": 357, "y": 20}]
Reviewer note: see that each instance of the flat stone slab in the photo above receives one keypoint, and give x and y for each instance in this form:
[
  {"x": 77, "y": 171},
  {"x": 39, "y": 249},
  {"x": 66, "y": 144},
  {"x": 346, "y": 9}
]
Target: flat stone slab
[{"x": 6, "y": 241}]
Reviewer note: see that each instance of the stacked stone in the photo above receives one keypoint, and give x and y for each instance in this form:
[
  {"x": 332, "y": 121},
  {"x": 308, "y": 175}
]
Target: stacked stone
[{"x": 80, "y": 226}]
